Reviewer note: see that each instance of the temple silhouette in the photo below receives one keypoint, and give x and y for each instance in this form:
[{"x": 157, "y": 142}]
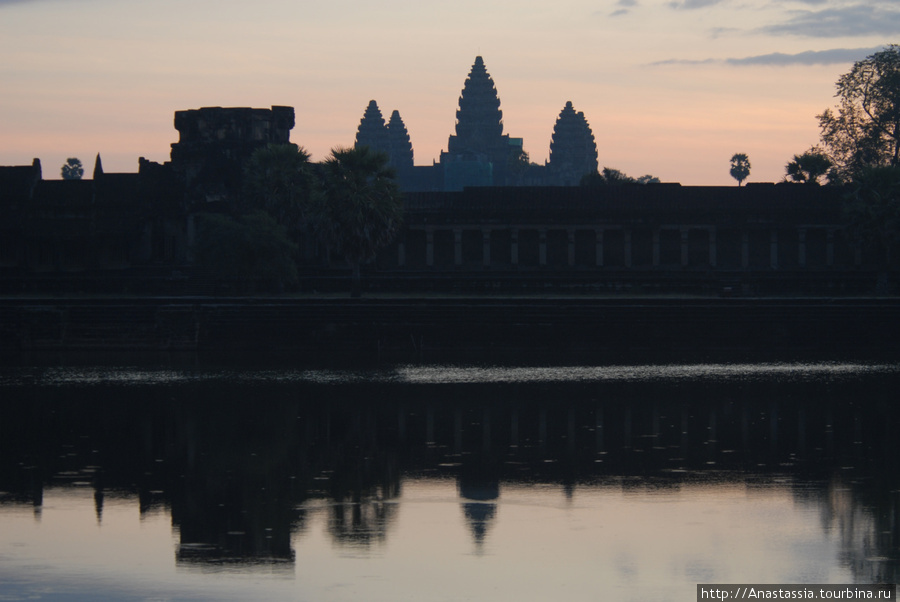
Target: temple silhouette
[
  {"x": 481, "y": 218},
  {"x": 479, "y": 153}
]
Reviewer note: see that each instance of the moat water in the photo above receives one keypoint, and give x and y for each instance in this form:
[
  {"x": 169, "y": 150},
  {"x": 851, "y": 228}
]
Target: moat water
[{"x": 439, "y": 482}]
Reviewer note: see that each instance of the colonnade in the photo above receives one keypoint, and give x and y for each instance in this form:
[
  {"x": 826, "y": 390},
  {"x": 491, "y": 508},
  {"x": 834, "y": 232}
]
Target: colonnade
[{"x": 667, "y": 246}]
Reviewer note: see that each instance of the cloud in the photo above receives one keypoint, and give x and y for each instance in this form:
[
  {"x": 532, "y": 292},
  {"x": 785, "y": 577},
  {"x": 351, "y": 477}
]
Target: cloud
[
  {"x": 810, "y": 57},
  {"x": 684, "y": 62},
  {"x": 4, "y": 3},
  {"x": 854, "y": 20},
  {"x": 779, "y": 59},
  {"x": 625, "y": 7},
  {"x": 693, "y": 4}
]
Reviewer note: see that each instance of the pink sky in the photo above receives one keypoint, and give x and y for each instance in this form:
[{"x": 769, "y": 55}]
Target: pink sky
[{"x": 670, "y": 88}]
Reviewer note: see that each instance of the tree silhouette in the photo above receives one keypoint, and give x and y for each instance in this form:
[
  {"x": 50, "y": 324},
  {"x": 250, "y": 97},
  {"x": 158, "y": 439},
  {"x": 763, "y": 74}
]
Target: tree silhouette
[
  {"x": 246, "y": 250},
  {"x": 740, "y": 167},
  {"x": 808, "y": 167},
  {"x": 873, "y": 210},
  {"x": 72, "y": 169},
  {"x": 360, "y": 210},
  {"x": 278, "y": 179},
  {"x": 614, "y": 177},
  {"x": 864, "y": 130},
  {"x": 647, "y": 179}
]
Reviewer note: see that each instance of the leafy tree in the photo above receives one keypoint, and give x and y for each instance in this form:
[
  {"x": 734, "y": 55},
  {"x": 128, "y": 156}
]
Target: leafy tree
[
  {"x": 278, "y": 179},
  {"x": 519, "y": 161},
  {"x": 360, "y": 210},
  {"x": 808, "y": 167},
  {"x": 72, "y": 169},
  {"x": 246, "y": 250},
  {"x": 614, "y": 177},
  {"x": 519, "y": 167},
  {"x": 873, "y": 209},
  {"x": 647, "y": 179},
  {"x": 864, "y": 129},
  {"x": 740, "y": 167}
]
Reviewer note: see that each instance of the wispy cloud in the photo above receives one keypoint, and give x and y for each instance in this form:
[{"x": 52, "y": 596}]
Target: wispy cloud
[
  {"x": 692, "y": 4},
  {"x": 684, "y": 62},
  {"x": 779, "y": 59},
  {"x": 5, "y": 3},
  {"x": 810, "y": 57},
  {"x": 873, "y": 18},
  {"x": 625, "y": 7}
]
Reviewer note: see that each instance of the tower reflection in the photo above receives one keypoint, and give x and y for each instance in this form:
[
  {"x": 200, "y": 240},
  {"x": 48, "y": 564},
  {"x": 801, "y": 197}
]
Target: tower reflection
[{"x": 235, "y": 463}]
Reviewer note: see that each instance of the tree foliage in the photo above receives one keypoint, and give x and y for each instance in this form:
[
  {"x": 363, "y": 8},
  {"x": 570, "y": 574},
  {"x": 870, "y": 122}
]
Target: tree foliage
[
  {"x": 808, "y": 167},
  {"x": 246, "y": 251},
  {"x": 740, "y": 167},
  {"x": 873, "y": 209},
  {"x": 614, "y": 177},
  {"x": 72, "y": 169},
  {"x": 519, "y": 161},
  {"x": 864, "y": 129},
  {"x": 360, "y": 210},
  {"x": 278, "y": 179},
  {"x": 647, "y": 179}
]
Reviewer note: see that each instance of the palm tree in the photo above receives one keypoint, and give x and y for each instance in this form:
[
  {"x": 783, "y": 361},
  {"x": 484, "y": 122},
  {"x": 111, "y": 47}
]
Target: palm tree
[
  {"x": 360, "y": 210},
  {"x": 740, "y": 167},
  {"x": 278, "y": 179}
]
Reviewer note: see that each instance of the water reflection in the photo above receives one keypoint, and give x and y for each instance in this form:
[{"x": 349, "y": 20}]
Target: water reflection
[
  {"x": 245, "y": 464},
  {"x": 449, "y": 374}
]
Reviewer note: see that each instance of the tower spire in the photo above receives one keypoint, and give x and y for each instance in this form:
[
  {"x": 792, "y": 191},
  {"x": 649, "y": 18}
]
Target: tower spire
[
  {"x": 372, "y": 131},
  {"x": 400, "y": 144},
  {"x": 479, "y": 120},
  {"x": 98, "y": 167},
  {"x": 573, "y": 150}
]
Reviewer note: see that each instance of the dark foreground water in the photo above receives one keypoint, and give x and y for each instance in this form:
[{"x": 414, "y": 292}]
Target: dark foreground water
[{"x": 428, "y": 483}]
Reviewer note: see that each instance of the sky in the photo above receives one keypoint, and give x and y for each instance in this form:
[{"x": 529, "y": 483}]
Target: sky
[{"x": 671, "y": 88}]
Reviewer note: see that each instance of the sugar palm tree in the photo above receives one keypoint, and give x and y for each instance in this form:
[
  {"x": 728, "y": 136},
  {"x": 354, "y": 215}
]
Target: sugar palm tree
[
  {"x": 740, "y": 167},
  {"x": 278, "y": 179},
  {"x": 360, "y": 210}
]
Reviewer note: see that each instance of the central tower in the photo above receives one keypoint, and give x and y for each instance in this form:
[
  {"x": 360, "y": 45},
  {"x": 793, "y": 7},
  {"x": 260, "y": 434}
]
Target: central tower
[
  {"x": 479, "y": 120},
  {"x": 479, "y": 153}
]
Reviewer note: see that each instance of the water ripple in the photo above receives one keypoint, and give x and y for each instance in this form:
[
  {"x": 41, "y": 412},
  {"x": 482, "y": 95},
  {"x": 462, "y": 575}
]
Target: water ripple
[{"x": 449, "y": 374}]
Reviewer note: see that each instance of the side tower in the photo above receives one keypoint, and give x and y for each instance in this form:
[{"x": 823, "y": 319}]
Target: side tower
[
  {"x": 400, "y": 144},
  {"x": 480, "y": 152},
  {"x": 391, "y": 138},
  {"x": 372, "y": 131},
  {"x": 573, "y": 150},
  {"x": 214, "y": 143}
]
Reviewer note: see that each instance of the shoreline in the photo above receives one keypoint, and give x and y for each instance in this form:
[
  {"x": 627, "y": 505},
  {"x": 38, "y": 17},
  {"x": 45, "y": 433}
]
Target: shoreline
[{"x": 457, "y": 326}]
